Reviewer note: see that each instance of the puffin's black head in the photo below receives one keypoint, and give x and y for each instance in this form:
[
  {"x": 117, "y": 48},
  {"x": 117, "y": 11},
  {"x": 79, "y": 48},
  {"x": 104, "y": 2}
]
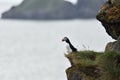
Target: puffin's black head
[{"x": 66, "y": 40}]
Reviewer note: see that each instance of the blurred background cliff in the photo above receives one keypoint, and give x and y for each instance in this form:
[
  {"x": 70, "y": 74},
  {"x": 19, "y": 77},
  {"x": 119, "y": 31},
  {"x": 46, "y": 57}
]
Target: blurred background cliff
[{"x": 54, "y": 9}]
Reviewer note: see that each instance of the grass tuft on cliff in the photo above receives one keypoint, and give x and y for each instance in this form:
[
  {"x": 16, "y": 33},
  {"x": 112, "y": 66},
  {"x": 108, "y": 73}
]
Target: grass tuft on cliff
[
  {"x": 83, "y": 58},
  {"x": 97, "y": 65},
  {"x": 109, "y": 65}
]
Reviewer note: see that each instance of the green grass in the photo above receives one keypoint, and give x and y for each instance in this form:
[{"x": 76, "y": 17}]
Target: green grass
[
  {"x": 109, "y": 65},
  {"x": 83, "y": 58},
  {"x": 97, "y": 65}
]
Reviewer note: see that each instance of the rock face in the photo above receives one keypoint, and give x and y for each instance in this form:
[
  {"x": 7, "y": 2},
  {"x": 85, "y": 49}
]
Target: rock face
[
  {"x": 89, "y": 65},
  {"x": 54, "y": 9},
  {"x": 113, "y": 46},
  {"x": 73, "y": 73},
  {"x": 109, "y": 15},
  {"x": 81, "y": 68}
]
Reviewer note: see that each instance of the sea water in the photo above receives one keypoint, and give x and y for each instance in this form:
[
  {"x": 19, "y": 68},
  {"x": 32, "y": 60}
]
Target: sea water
[{"x": 33, "y": 50}]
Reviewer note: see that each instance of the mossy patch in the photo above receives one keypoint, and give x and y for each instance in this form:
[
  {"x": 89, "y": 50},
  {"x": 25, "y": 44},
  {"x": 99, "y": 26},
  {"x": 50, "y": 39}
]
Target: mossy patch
[
  {"x": 95, "y": 65},
  {"x": 109, "y": 65},
  {"x": 82, "y": 58}
]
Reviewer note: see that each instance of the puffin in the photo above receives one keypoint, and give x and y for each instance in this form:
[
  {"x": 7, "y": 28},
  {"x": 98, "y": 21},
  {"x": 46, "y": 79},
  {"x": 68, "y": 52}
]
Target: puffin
[{"x": 69, "y": 43}]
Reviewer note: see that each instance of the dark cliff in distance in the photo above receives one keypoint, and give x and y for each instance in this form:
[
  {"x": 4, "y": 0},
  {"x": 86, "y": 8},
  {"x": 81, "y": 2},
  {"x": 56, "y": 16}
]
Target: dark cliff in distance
[{"x": 54, "y": 9}]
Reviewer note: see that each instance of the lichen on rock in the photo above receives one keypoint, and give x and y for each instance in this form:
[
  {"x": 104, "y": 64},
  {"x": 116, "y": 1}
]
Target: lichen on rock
[{"x": 109, "y": 15}]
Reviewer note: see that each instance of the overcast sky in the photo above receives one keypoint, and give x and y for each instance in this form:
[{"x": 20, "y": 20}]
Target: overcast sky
[{"x": 11, "y": 1}]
